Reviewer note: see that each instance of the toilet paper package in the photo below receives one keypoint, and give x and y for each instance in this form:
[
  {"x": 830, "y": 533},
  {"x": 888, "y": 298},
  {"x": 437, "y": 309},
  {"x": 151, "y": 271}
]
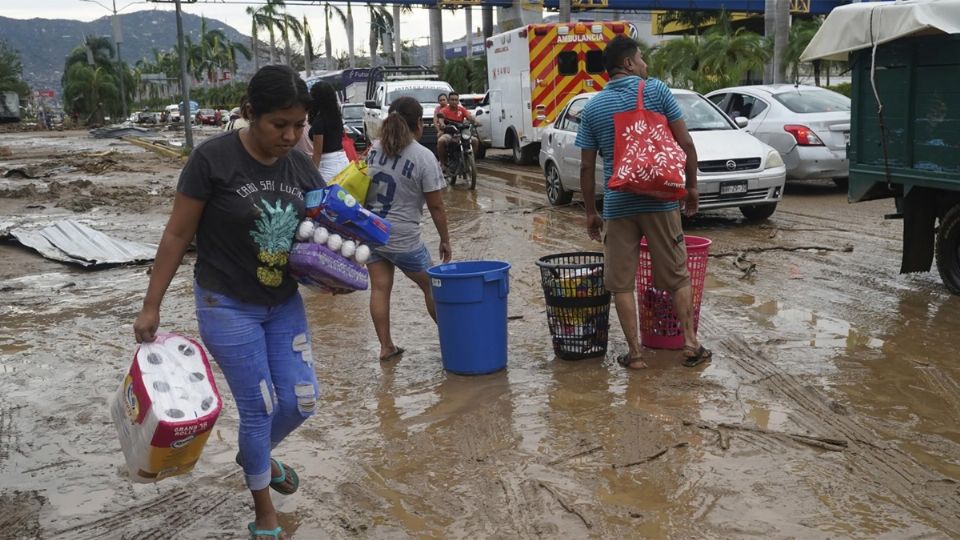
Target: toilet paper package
[{"x": 165, "y": 408}]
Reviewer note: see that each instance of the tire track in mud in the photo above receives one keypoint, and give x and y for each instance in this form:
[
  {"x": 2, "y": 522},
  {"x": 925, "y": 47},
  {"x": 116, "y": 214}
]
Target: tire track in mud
[
  {"x": 926, "y": 494},
  {"x": 163, "y": 517}
]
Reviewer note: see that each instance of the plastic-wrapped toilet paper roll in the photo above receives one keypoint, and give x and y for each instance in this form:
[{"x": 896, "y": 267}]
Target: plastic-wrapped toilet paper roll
[{"x": 165, "y": 408}]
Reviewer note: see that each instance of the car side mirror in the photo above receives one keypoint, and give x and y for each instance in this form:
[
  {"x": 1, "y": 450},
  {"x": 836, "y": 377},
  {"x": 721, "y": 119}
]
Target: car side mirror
[
  {"x": 741, "y": 121},
  {"x": 370, "y": 104}
]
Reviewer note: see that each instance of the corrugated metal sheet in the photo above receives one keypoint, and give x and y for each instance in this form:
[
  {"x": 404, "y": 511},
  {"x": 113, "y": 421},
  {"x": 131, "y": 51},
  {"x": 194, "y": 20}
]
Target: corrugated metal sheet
[{"x": 75, "y": 243}]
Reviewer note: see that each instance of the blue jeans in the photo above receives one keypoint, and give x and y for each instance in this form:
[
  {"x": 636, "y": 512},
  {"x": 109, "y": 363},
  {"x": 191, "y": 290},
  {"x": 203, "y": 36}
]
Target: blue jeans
[
  {"x": 264, "y": 353},
  {"x": 418, "y": 260}
]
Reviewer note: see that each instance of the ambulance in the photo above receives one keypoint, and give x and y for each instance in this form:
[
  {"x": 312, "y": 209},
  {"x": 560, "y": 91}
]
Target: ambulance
[{"x": 533, "y": 71}]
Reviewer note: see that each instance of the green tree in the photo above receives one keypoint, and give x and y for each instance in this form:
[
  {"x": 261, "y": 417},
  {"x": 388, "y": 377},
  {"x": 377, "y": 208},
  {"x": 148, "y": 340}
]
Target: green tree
[
  {"x": 11, "y": 71},
  {"x": 91, "y": 91},
  {"x": 801, "y": 32},
  {"x": 381, "y": 20},
  {"x": 328, "y": 11},
  {"x": 468, "y": 75}
]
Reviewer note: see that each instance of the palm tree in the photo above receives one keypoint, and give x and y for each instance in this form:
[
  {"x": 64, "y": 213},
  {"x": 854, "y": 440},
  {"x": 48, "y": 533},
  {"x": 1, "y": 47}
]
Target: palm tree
[
  {"x": 86, "y": 88},
  {"x": 307, "y": 47},
  {"x": 381, "y": 21},
  {"x": 800, "y": 35},
  {"x": 330, "y": 9},
  {"x": 350, "y": 46},
  {"x": 255, "y": 24},
  {"x": 290, "y": 25}
]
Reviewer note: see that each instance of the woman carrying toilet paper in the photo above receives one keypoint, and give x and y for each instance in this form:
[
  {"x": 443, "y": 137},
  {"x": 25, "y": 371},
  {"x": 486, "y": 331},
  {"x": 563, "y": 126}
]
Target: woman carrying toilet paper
[
  {"x": 404, "y": 177},
  {"x": 241, "y": 195}
]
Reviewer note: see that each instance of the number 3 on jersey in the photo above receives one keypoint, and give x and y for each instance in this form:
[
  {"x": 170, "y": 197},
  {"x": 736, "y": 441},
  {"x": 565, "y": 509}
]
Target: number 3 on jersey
[{"x": 385, "y": 188}]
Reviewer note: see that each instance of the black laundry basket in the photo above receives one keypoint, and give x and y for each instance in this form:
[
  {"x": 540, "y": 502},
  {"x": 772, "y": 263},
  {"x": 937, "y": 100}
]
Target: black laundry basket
[{"x": 578, "y": 305}]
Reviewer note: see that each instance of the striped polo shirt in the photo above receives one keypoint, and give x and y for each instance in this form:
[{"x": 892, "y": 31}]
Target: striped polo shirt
[{"x": 597, "y": 133}]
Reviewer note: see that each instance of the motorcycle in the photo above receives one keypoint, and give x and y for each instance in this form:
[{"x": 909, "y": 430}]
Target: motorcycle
[{"x": 460, "y": 160}]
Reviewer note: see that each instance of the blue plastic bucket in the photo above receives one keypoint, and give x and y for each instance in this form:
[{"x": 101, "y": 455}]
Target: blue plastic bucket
[{"x": 471, "y": 299}]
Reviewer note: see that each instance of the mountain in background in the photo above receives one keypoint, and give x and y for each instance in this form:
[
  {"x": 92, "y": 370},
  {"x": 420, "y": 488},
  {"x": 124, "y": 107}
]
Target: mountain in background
[{"x": 45, "y": 43}]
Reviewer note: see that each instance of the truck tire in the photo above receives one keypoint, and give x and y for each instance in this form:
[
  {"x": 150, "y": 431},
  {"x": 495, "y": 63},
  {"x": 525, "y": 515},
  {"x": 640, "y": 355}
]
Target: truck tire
[
  {"x": 948, "y": 249},
  {"x": 522, "y": 155},
  {"x": 756, "y": 212}
]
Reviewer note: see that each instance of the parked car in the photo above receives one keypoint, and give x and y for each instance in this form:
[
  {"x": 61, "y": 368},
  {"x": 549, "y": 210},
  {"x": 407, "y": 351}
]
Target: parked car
[
  {"x": 484, "y": 131},
  {"x": 735, "y": 170},
  {"x": 207, "y": 117},
  {"x": 173, "y": 113},
  {"x": 353, "y": 117},
  {"x": 809, "y": 126},
  {"x": 146, "y": 117}
]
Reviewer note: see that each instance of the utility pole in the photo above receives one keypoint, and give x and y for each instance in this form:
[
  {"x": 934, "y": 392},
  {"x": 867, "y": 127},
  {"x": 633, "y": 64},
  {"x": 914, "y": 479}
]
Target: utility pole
[
  {"x": 184, "y": 83},
  {"x": 436, "y": 36},
  {"x": 397, "y": 44},
  {"x": 469, "y": 17},
  {"x": 118, "y": 39},
  {"x": 781, "y": 38},
  {"x": 565, "y": 11},
  {"x": 184, "y": 78},
  {"x": 487, "y": 14}
]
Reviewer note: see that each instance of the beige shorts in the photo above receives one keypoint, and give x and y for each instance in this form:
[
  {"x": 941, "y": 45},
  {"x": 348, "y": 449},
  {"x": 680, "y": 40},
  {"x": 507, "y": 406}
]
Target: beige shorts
[{"x": 668, "y": 252}]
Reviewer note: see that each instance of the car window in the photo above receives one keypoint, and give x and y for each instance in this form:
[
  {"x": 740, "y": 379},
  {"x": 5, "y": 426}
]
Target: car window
[
  {"x": 571, "y": 119},
  {"x": 745, "y": 105},
  {"x": 700, "y": 114},
  {"x": 595, "y": 62},
  {"x": 423, "y": 95},
  {"x": 813, "y": 101},
  {"x": 352, "y": 113},
  {"x": 718, "y": 99},
  {"x": 567, "y": 63}
]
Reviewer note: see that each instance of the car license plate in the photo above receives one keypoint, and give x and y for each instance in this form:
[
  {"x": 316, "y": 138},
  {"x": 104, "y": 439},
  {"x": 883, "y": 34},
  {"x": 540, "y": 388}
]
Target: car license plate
[{"x": 728, "y": 189}]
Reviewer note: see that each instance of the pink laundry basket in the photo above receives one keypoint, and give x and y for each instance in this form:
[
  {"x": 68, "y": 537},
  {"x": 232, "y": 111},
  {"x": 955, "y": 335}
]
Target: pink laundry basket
[{"x": 659, "y": 326}]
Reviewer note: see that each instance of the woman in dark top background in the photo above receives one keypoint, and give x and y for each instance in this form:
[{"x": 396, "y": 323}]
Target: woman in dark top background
[{"x": 326, "y": 131}]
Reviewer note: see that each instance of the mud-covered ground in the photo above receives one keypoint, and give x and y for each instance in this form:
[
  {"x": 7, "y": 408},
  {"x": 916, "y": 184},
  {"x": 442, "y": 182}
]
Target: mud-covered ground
[{"x": 829, "y": 410}]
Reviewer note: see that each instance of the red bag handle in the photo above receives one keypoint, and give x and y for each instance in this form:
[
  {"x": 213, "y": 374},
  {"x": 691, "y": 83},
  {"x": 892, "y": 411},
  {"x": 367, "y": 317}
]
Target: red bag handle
[{"x": 640, "y": 94}]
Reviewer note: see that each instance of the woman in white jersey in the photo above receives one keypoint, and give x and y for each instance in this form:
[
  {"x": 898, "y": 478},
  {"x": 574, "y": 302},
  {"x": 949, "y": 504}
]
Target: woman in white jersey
[{"x": 404, "y": 176}]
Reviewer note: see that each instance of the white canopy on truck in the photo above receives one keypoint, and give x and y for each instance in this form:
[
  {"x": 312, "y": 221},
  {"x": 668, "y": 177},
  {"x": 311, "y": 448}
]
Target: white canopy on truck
[{"x": 858, "y": 26}]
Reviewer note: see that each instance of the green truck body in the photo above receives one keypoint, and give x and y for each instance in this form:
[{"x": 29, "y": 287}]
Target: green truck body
[{"x": 914, "y": 156}]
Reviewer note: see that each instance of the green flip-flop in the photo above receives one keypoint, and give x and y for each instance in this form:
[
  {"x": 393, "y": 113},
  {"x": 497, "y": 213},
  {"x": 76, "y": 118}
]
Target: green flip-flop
[
  {"x": 280, "y": 484},
  {"x": 256, "y": 533}
]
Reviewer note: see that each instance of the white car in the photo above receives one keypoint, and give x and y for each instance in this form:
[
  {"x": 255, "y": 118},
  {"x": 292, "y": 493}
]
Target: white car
[
  {"x": 809, "y": 126},
  {"x": 735, "y": 170},
  {"x": 482, "y": 114}
]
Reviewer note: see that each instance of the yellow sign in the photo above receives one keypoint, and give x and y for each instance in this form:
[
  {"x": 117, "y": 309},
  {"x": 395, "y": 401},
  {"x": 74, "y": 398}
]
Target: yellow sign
[{"x": 588, "y": 4}]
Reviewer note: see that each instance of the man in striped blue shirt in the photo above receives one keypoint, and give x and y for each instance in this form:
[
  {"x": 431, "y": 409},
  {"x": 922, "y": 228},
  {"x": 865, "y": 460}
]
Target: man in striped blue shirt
[{"x": 628, "y": 217}]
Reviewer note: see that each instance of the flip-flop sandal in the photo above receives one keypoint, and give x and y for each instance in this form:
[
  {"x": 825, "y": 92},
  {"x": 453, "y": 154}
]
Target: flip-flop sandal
[
  {"x": 397, "y": 351},
  {"x": 257, "y": 533},
  {"x": 700, "y": 355},
  {"x": 288, "y": 482},
  {"x": 625, "y": 361},
  {"x": 281, "y": 484}
]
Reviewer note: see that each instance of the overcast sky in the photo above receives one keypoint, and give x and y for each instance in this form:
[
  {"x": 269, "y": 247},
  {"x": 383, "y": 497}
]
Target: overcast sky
[{"x": 414, "y": 25}]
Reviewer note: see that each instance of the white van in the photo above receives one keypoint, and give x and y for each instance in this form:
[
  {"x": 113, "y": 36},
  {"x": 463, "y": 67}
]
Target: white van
[{"x": 173, "y": 113}]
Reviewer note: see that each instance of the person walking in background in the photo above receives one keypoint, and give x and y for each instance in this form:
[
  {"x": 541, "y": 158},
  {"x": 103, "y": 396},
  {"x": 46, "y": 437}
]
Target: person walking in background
[
  {"x": 326, "y": 131},
  {"x": 628, "y": 217},
  {"x": 241, "y": 195},
  {"x": 403, "y": 177}
]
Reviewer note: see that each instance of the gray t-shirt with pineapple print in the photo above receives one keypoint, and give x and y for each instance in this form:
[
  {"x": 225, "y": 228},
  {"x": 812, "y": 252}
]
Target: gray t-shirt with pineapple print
[{"x": 251, "y": 214}]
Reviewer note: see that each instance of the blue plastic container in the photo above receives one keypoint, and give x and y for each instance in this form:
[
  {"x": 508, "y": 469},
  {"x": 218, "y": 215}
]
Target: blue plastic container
[{"x": 471, "y": 299}]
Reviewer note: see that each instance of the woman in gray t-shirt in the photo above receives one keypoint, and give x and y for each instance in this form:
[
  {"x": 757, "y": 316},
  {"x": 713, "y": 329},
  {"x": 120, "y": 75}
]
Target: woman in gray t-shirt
[{"x": 405, "y": 176}]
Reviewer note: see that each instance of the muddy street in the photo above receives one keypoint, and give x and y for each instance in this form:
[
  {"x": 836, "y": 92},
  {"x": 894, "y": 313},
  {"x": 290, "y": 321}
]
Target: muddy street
[{"x": 829, "y": 410}]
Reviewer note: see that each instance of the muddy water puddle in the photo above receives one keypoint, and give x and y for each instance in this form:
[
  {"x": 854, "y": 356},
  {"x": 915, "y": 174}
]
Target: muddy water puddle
[{"x": 828, "y": 411}]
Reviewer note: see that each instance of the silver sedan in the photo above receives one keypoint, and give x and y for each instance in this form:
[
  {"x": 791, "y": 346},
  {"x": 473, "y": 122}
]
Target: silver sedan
[{"x": 809, "y": 126}]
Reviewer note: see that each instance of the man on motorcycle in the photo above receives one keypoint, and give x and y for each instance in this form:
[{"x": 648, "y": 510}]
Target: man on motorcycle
[{"x": 453, "y": 112}]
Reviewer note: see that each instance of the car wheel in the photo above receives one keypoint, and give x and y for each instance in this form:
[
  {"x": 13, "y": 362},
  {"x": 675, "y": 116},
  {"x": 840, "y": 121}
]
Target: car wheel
[
  {"x": 757, "y": 212},
  {"x": 948, "y": 249},
  {"x": 556, "y": 195},
  {"x": 841, "y": 182},
  {"x": 524, "y": 155}
]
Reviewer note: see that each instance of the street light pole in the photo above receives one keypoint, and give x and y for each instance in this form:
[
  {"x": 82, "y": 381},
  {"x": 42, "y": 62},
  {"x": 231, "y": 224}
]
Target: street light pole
[
  {"x": 118, "y": 39},
  {"x": 184, "y": 83}
]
